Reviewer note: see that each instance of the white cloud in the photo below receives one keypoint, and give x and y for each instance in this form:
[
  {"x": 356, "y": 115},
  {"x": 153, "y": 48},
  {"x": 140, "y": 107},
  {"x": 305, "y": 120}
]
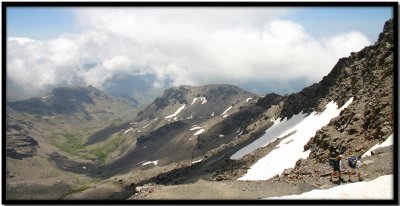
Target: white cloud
[{"x": 187, "y": 46}]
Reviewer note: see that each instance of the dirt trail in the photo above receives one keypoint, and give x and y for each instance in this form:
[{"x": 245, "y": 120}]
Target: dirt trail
[{"x": 204, "y": 189}]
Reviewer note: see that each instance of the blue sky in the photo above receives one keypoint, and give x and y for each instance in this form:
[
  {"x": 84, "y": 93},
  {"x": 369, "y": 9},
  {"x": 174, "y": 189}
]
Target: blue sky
[
  {"x": 44, "y": 23},
  {"x": 40, "y": 23},
  {"x": 321, "y": 21}
]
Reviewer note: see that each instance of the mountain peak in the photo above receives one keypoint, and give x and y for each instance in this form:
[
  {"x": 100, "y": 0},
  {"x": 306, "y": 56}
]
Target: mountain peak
[{"x": 388, "y": 32}]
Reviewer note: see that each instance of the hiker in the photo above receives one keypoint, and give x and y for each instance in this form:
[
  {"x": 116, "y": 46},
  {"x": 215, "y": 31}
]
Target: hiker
[
  {"x": 336, "y": 164},
  {"x": 355, "y": 165}
]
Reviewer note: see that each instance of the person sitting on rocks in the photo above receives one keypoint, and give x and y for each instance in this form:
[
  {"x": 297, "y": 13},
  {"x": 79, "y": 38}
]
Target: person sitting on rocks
[
  {"x": 336, "y": 164},
  {"x": 355, "y": 166}
]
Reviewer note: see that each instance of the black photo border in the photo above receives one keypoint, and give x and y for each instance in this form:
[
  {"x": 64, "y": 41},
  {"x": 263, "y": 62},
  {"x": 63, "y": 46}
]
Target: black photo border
[{"x": 394, "y": 5}]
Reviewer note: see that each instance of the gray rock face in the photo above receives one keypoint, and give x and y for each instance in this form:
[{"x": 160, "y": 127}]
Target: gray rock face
[
  {"x": 367, "y": 76},
  {"x": 19, "y": 143}
]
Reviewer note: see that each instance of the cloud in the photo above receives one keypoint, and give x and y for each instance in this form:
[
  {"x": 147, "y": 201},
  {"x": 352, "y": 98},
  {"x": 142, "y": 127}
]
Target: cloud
[{"x": 179, "y": 45}]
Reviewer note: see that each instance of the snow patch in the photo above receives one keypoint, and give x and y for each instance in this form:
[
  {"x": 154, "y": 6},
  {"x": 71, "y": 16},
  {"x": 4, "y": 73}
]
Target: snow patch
[
  {"x": 212, "y": 114},
  {"x": 176, "y": 112},
  {"x": 203, "y": 100},
  {"x": 146, "y": 125},
  {"x": 196, "y": 161},
  {"x": 199, "y": 132},
  {"x": 194, "y": 100},
  {"x": 195, "y": 128},
  {"x": 150, "y": 162},
  {"x": 221, "y": 135},
  {"x": 278, "y": 159},
  {"x": 387, "y": 142},
  {"x": 223, "y": 113},
  {"x": 128, "y": 130},
  {"x": 379, "y": 188},
  {"x": 248, "y": 99}
]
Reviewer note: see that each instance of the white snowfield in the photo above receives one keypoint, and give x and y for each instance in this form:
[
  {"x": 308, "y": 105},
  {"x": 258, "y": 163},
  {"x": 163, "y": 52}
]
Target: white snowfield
[
  {"x": 176, "y": 113},
  {"x": 278, "y": 129},
  {"x": 291, "y": 148},
  {"x": 379, "y": 188},
  {"x": 387, "y": 142},
  {"x": 223, "y": 113}
]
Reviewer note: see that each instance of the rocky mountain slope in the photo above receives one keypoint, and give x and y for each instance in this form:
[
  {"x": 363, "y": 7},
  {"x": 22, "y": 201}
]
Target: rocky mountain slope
[
  {"x": 167, "y": 130},
  {"x": 368, "y": 77}
]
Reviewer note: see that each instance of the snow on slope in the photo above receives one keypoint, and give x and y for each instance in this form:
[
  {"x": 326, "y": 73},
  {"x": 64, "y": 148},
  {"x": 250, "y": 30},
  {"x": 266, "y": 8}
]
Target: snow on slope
[
  {"x": 194, "y": 100},
  {"x": 278, "y": 129},
  {"x": 195, "y": 128},
  {"x": 223, "y": 113},
  {"x": 199, "y": 132},
  {"x": 387, "y": 142},
  {"x": 128, "y": 130},
  {"x": 150, "y": 162},
  {"x": 176, "y": 113},
  {"x": 203, "y": 100},
  {"x": 379, "y": 188},
  {"x": 291, "y": 148}
]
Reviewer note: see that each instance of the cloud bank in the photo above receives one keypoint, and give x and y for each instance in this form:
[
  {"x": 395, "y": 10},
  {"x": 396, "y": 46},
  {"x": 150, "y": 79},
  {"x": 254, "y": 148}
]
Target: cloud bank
[{"x": 180, "y": 46}]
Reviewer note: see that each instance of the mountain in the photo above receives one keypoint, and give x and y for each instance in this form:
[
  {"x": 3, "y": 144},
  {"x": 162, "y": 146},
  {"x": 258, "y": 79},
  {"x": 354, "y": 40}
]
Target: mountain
[
  {"x": 71, "y": 100},
  {"x": 361, "y": 83},
  {"x": 168, "y": 129}
]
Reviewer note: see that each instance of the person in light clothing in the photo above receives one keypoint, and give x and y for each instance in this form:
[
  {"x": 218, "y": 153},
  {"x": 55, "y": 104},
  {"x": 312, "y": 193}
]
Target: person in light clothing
[{"x": 355, "y": 167}]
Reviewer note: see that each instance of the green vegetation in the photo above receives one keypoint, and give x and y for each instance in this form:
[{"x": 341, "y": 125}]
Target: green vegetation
[
  {"x": 73, "y": 144},
  {"x": 102, "y": 152},
  {"x": 117, "y": 121},
  {"x": 84, "y": 187},
  {"x": 70, "y": 143}
]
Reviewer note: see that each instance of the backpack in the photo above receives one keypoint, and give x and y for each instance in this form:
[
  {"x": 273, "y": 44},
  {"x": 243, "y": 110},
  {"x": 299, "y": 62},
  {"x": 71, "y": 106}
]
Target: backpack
[
  {"x": 352, "y": 161},
  {"x": 332, "y": 162}
]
